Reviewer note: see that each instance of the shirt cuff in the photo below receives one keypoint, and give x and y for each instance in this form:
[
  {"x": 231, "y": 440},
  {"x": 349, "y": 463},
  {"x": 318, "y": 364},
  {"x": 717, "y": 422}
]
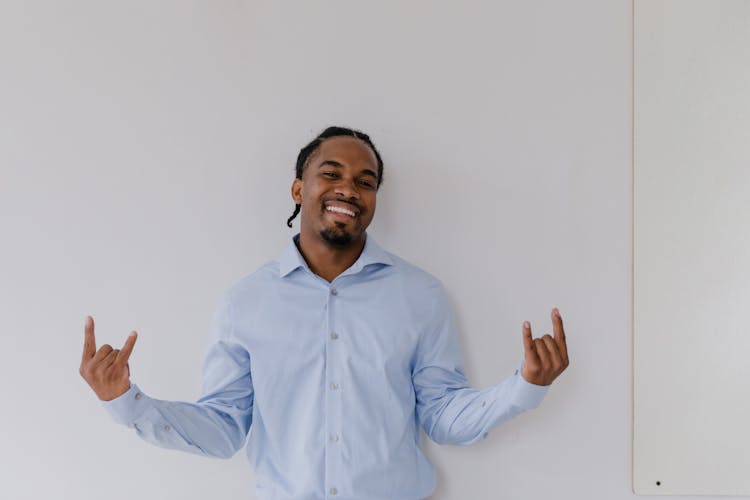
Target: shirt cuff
[
  {"x": 527, "y": 395},
  {"x": 127, "y": 407}
]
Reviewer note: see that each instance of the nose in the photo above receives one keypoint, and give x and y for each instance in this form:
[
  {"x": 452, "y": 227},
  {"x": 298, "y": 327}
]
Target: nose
[{"x": 347, "y": 189}]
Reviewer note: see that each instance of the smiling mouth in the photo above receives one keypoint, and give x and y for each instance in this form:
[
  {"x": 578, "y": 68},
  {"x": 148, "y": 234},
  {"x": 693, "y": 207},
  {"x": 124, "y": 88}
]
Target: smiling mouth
[{"x": 340, "y": 210}]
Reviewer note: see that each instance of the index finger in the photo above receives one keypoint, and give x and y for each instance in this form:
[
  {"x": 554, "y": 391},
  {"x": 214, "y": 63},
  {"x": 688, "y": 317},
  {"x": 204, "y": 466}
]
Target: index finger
[
  {"x": 89, "y": 342},
  {"x": 557, "y": 326}
]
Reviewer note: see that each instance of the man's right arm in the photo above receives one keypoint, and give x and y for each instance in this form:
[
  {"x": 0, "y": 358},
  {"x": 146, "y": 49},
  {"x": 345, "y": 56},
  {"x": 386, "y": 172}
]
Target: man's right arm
[{"x": 216, "y": 425}]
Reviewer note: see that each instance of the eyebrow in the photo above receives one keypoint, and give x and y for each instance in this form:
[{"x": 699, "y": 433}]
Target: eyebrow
[{"x": 334, "y": 163}]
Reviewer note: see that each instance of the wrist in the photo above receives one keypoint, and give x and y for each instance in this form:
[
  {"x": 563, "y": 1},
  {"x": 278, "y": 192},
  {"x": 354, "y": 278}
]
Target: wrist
[{"x": 113, "y": 393}]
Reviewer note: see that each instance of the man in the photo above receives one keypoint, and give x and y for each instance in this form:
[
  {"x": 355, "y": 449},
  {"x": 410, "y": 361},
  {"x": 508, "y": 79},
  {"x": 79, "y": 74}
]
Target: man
[{"x": 336, "y": 353}]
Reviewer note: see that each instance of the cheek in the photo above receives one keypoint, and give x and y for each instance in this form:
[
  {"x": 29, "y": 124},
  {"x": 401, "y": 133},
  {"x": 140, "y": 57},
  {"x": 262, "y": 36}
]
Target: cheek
[
  {"x": 310, "y": 195},
  {"x": 371, "y": 209}
]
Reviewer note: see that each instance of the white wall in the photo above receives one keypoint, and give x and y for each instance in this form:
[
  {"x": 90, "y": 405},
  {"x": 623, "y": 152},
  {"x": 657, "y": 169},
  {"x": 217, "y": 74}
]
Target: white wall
[
  {"x": 147, "y": 151},
  {"x": 691, "y": 186}
]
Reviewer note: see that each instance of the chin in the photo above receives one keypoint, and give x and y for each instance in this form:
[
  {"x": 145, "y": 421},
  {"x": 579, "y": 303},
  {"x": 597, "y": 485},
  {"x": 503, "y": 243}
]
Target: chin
[
  {"x": 336, "y": 237},
  {"x": 339, "y": 235}
]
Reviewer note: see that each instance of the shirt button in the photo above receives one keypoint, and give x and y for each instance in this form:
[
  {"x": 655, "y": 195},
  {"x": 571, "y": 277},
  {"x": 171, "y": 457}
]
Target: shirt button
[
  {"x": 333, "y": 491},
  {"x": 167, "y": 428},
  {"x": 334, "y": 386},
  {"x": 334, "y": 335},
  {"x": 138, "y": 396},
  {"x": 484, "y": 403},
  {"x": 334, "y": 292},
  {"x": 334, "y": 438},
  {"x": 484, "y": 436}
]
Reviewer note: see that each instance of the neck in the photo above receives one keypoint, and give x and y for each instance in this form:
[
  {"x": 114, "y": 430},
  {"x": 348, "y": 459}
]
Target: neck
[{"x": 326, "y": 260}]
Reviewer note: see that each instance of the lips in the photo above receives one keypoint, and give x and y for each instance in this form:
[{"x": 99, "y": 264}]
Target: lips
[{"x": 341, "y": 208}]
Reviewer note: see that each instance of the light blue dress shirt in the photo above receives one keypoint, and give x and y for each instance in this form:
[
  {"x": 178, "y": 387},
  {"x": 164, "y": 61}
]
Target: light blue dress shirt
[{"x": 333, "y": 381}]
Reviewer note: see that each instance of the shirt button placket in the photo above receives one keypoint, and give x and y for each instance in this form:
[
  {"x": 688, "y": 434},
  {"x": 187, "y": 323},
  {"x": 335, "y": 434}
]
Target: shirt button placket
[{"x": 334, "y": 355}]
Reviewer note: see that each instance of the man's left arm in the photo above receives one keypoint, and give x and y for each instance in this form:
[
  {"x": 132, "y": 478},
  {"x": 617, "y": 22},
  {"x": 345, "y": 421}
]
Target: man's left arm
[{"x": 449, "y": 409}]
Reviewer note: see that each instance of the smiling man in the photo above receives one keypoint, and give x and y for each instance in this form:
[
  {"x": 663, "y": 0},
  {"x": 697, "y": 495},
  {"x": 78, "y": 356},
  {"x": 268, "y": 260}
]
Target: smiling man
[
  {"x": 334, "y": 354},
  {"x": 335, "y": 189}
]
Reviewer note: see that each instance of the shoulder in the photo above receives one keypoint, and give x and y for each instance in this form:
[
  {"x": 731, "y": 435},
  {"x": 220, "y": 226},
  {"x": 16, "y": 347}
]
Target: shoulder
[
  {"x": 254, "y": 282},
  {"x": 415, "y": 279},
  {"x": 422, "y": 294}
]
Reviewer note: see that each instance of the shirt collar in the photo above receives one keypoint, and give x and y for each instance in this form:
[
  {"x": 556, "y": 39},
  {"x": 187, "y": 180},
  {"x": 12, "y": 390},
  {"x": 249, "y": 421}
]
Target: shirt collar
[{"x": 292, "y": 259}]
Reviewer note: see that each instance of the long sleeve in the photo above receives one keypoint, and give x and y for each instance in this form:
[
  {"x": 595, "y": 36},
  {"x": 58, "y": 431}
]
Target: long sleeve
[
  {"x": 218, "y": 423},
  {"x": 449, "y": 410}
]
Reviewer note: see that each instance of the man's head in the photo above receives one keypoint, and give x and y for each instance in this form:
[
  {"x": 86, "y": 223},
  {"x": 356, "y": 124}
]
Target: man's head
[{"x": 337, "y": 178}]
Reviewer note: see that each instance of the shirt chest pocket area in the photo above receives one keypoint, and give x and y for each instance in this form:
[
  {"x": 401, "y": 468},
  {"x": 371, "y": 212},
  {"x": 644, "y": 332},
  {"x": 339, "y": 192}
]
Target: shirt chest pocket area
[{"x": 375, "y": 344}]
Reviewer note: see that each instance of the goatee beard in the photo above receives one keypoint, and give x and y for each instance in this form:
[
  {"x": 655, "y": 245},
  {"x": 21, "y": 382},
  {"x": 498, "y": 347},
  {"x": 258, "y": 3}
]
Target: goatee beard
[{"x": 335, "y": 237}]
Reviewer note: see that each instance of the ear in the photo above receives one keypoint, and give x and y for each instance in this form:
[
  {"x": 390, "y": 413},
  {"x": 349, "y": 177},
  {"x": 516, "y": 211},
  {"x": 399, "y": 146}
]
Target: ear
[{"x": 297, "y": 191}]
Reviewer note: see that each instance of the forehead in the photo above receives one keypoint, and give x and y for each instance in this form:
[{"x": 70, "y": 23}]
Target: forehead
[{"x": 347, "y": 150}]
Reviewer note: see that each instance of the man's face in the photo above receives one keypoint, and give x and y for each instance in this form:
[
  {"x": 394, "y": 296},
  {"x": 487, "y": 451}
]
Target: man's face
[{"x": 337, "y": 191}]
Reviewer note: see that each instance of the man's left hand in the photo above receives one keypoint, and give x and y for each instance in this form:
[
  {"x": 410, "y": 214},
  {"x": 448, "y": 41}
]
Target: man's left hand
[{"x": 547, "y": 357}]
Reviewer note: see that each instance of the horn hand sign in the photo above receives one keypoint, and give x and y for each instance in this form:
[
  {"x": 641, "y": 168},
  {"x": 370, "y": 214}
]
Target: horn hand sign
[
  {"x": 547, "y": 357},
  {"x": 106, "y": 370}
]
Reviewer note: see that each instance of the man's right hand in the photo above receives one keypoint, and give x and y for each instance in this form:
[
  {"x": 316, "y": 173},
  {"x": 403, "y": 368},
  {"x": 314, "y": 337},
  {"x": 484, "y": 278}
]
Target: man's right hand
[{"x": 106, "y": 370}]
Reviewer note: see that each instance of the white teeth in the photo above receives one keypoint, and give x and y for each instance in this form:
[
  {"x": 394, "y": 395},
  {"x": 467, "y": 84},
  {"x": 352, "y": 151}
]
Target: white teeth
[{"x": 340, "y": 210}]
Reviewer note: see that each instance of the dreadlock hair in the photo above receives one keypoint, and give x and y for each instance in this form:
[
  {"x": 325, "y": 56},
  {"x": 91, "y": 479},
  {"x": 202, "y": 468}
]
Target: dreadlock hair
[{"x": 306, "y": 152}]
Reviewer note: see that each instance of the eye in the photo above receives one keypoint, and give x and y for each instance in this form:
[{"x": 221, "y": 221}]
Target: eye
[
  {"x": 331, "y": 174},
  {"x": 368, "y": 184}
]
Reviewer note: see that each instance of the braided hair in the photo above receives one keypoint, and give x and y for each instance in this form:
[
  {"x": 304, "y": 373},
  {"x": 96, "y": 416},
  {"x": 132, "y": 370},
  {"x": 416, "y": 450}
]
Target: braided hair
[{"x": 306, "y": 152}]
